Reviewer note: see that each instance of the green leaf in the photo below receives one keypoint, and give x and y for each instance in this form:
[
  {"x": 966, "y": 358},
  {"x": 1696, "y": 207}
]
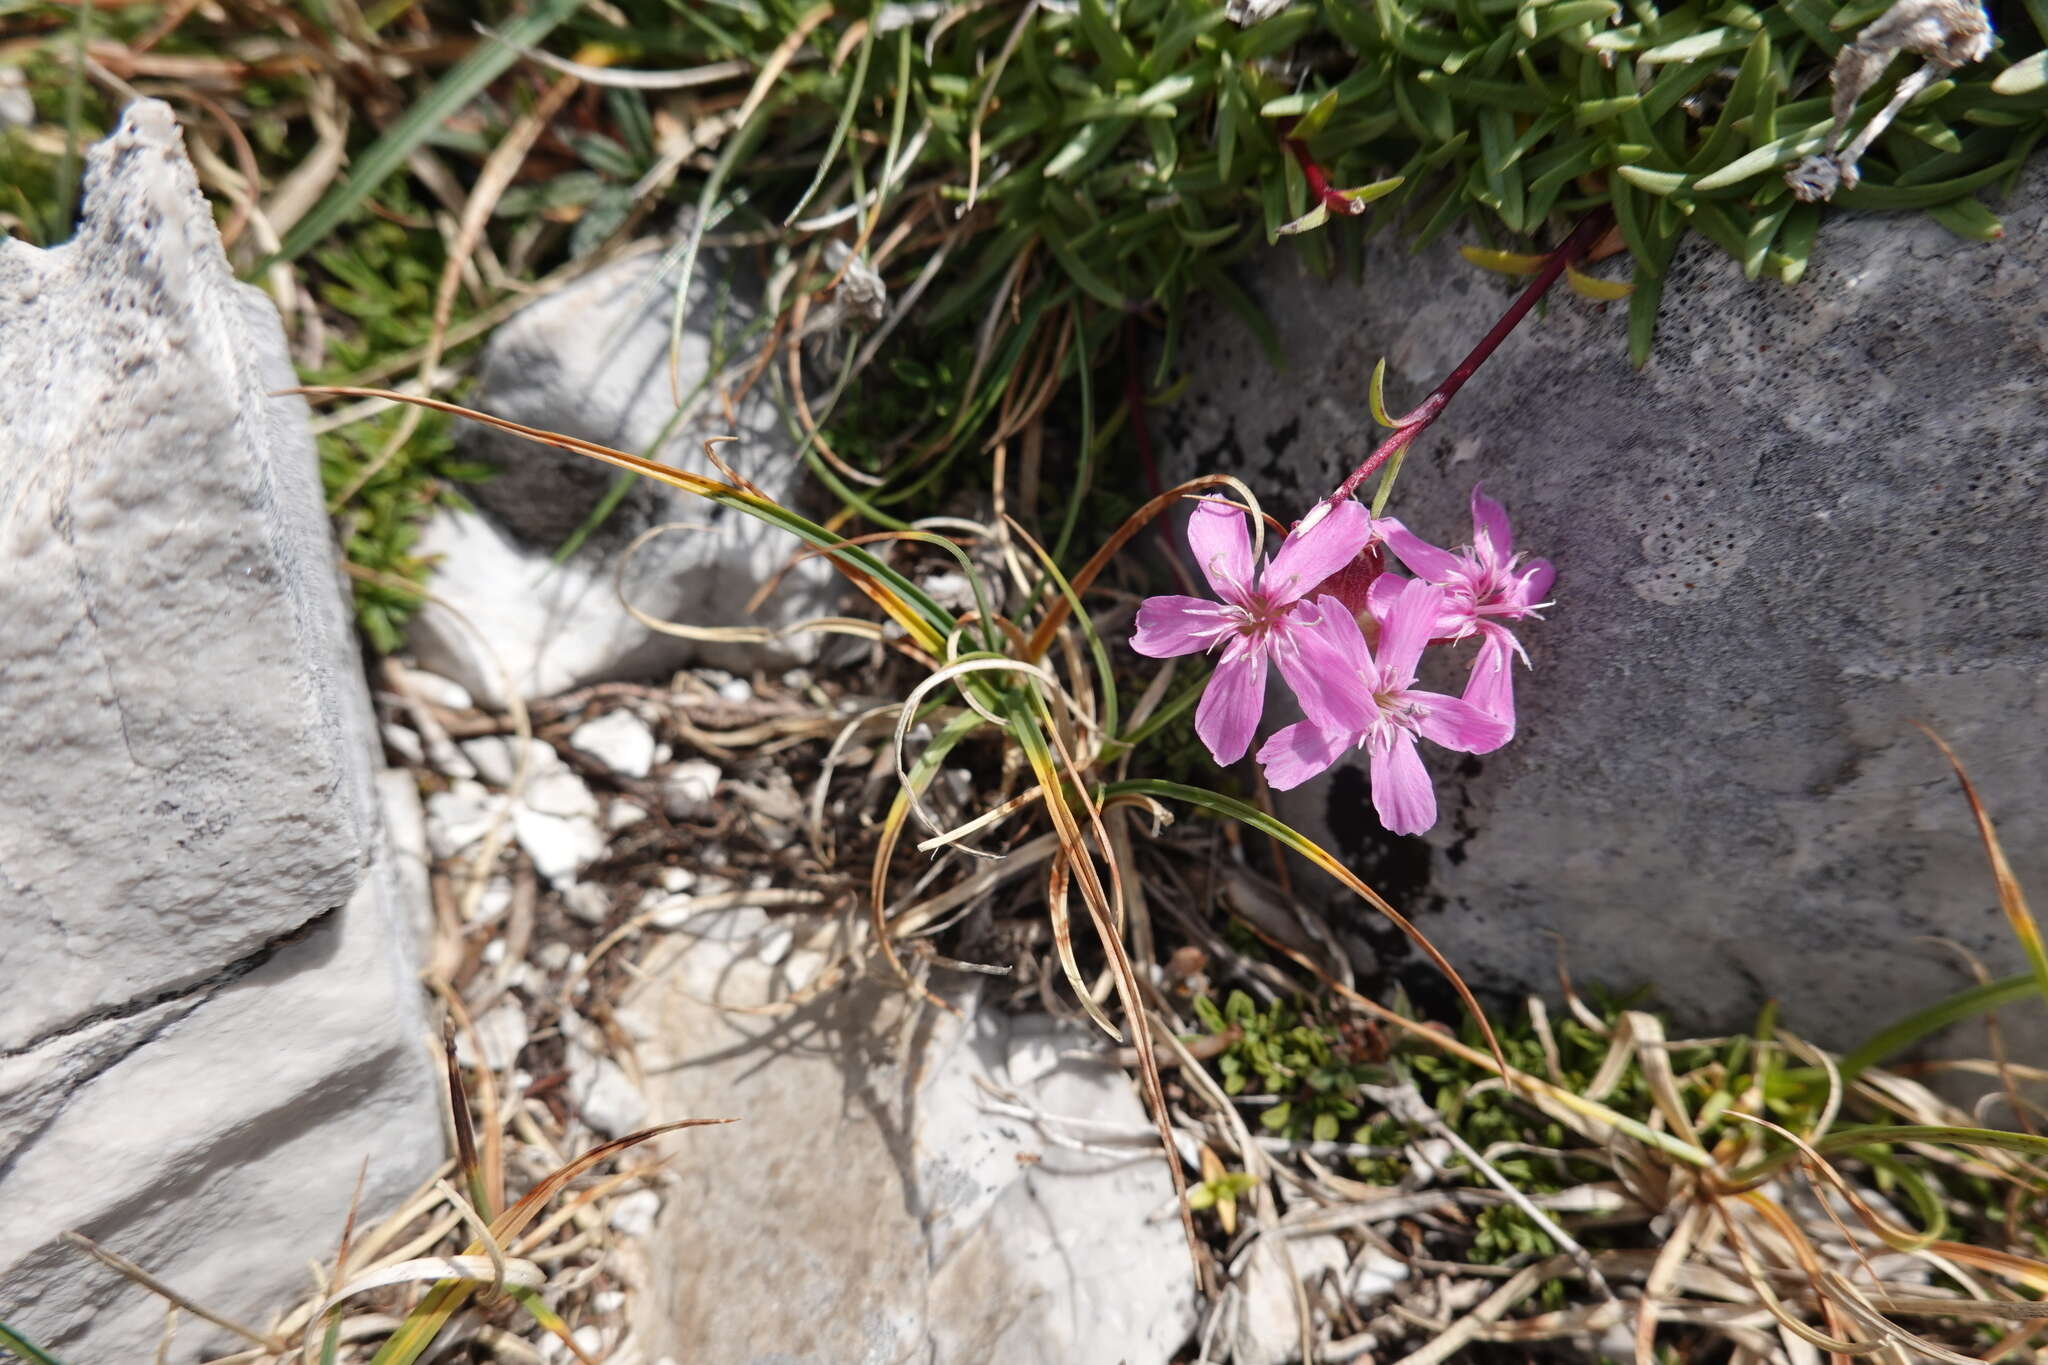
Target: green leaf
[
  {"x": 1308, "y": 222},
  {"x": 1778, "y": 152},
  {"x": 1973, "y": 1003},
  {"x": 1112, "y": 48},
  {"x": 1716, "y": 42},
  {"x": 2023, "y": 77},
  {"x": 26, "y": 1349},
  {"x": 463, "y": 83},
  {"x": 1586, "y": 113},
  {"x": 1642, "y": 316},
  {"x": 1969, "y": 219},
  {"x": 1789, "y": 258},
  {"x": 1653, "y": 182}
]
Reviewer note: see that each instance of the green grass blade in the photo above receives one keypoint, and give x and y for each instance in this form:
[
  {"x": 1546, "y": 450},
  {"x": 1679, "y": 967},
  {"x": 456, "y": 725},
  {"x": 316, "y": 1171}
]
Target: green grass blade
[
  {"x": 461, "y": 85},
  {"x": 1968, "y": 1004},
  {"x": 11, "y": 1340},
  {"x": 74, "y": 114},
  {"x": 839, "y": 130}
]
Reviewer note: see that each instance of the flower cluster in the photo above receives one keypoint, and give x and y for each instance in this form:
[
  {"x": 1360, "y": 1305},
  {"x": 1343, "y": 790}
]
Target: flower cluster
[{"x": 1348, "y": 638}]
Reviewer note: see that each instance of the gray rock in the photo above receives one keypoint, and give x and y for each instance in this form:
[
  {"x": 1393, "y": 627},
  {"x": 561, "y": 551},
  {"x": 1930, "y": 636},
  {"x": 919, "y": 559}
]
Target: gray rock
[
  {"x": 937, "y": 1230},
  {"x": 223, "y": 1021},
  {"x": 1814, "y": 517},
  {"x": 593, "y": 362}
]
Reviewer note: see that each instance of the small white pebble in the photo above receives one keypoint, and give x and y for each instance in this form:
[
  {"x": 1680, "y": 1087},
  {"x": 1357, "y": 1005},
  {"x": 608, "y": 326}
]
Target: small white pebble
[
  {"x": 403, "y": 742},
  {"x": 737, "y": 691},
  {"x": 443, "y": 692},
  {"x": 552, "y": 956},
  {"x": 618, "y": 739},
  {"x": 588, "y": 902},
  {"x": 633, "y": 1214},
  {"x": 622, "y": 814},
  {"x": 677, "y": 879},
  {"x": 689, "y": 787},
  {"x": 608, "y": 1300},
  {"x": 494, "y": 952}
]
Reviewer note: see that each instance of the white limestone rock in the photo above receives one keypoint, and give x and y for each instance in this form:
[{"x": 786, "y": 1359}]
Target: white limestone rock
[
  {"x": 618, "y": 739},
  {"x": 224, "y": 1020},
  {"x": 924, "y": 1235}
]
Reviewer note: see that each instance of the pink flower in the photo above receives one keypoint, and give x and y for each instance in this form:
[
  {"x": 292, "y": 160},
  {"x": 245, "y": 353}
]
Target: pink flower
[
  {"x": 1484, "y": 587},
  {"x": 1256, "y": 618},
  {"x": 1386, "y": 713}
]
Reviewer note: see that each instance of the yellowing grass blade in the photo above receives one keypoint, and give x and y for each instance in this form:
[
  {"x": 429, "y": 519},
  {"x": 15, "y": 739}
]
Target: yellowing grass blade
[
  {"x": 926, "y": 622},
  {"x": 2011, "y": 898},
  {"x": 1503, "y": 262},
  {"x": 1251, "y": 815},
  {"x": 1599, "y": 290},
  {"x": 425, "y": 1322}
]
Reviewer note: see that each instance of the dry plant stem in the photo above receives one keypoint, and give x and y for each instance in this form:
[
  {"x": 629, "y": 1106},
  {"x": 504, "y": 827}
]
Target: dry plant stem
[
  {"x": 1408, "y": 1107},
  {"x": 150, "y": 1282},
  {"x": 1415, "y": 423}
]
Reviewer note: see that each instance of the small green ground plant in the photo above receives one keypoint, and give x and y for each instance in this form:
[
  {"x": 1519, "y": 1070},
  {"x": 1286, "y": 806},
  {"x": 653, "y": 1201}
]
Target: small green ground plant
[{"x": 1043, "y": 188}]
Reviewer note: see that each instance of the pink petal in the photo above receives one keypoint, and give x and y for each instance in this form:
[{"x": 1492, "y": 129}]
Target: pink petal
[
  {"x": 1323, "y": 657},
  {"x": 1229, "y": 710},
  {"x": 1532, "y": 584},
  {"x": 1491, "y": 687},
  {"x": 1423, "y": 559},
  {"x": 1405, "y": 629},
  {"x": 1461, "y": 726},
  {"x": 1333, "y": 619},
  {"x": 1385, "y": 591},
  {"x": 1491, "y": 538},
  {"x": 1181, "y": 625},
  {"x": 1223, "y": 549},
  {"x": 1298, "y": 753},
  {"x": 1401, "y": 791},
  {"x": 1329, "y": 538}
]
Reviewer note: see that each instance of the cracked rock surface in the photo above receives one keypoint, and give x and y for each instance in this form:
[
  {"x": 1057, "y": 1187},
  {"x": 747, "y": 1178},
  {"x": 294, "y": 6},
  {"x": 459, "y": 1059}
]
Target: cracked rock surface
[
  {"x": 1813, "y": 518},
  {"x": 209, "y": 1019}
]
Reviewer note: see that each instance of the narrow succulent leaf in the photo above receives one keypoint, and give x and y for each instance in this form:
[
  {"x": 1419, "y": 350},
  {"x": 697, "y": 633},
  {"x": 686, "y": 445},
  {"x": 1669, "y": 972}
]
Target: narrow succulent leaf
[
  {"x": 1968, "y": 219},
  {"x": 2023, "y": 77},
  {"x": 1652, "y": 181},
  {"x": 1501, "y": 262},
  {"x": 1769, "y": 157},
  {"x": 1308, "y": 222},
  {"x": 1599, "y": 290}
]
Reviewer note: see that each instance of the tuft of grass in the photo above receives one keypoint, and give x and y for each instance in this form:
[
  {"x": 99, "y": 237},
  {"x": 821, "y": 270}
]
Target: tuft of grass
[{"x": 1047, "y": 181}]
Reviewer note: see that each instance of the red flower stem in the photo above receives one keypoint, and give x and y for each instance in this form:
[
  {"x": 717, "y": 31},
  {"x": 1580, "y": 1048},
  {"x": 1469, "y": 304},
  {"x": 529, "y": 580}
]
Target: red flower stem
[
  {"x": 1336, "y": 201},
  {"x": 1415, "y": 423}
]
